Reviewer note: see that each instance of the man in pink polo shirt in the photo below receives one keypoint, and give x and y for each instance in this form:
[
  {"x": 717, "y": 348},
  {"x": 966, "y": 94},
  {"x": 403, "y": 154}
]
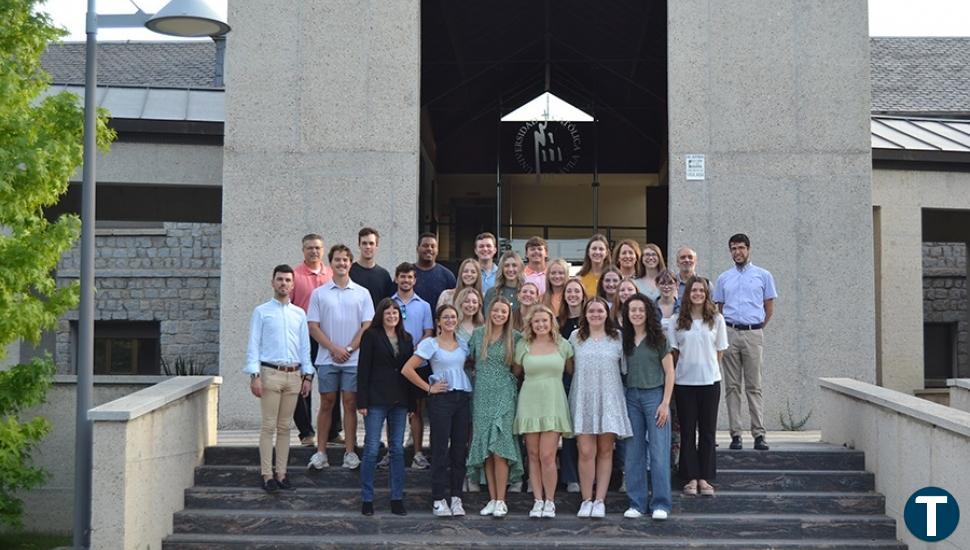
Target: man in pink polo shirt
[
  {"x": 535, "y": 270},
  {"x": 307, "y": 276}
]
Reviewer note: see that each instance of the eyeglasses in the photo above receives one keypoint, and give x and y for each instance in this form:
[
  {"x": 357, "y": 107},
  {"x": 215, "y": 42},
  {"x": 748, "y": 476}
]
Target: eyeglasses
[{"x": 666, "y": 283}]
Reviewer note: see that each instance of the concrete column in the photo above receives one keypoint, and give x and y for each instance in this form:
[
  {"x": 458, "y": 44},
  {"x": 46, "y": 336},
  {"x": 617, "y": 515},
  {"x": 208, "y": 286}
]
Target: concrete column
[
  {"x": 322, "y": 120},
  {"x": 776, "y": 95}
]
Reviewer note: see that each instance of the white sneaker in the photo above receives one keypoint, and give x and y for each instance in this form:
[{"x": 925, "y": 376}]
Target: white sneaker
[
  {"x": 572, "y": 487},
  {"x": 420, "y": 462},
  {"x": 500, "y": 509},
  {"x": 599, "y": 509},
  {"x": 536, "y": 511},
  {"x": 384, "y": 462},
  {"x": 489, "y": 508},
  {"x": 441, "y": 508},
  {"x": 515, "y": 487},
  {"x": 351, "y": 460},
  {"x": 456, "y": 508},
  {"x": 549, "y": 509},
  {"x": 585, "y": 509},
  {"x": 660, "y": 515},
  {"x": 318, "y": 461},
  {"x": 633, "y": 513}
]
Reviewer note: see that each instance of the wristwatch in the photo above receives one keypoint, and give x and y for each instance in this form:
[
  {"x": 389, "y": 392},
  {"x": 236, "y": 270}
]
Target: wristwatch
[
  {"x": 350, "y": 349},
  {"x": 308, "y": 378}
]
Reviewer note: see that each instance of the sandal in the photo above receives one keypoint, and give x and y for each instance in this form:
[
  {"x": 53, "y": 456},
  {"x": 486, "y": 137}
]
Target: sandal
[
  {"x": 707, "y": 490},
  {"x": 691, "y": 488}
]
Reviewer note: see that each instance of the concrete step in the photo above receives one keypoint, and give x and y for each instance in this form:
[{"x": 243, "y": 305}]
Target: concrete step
[
  {"x": 786, "y": 457},
  {"x": 727, "y": 480},
  {"x": 567, "y": 525},
  {"x": 419, "y": 498},
  {"x": 180, "y": 541}
]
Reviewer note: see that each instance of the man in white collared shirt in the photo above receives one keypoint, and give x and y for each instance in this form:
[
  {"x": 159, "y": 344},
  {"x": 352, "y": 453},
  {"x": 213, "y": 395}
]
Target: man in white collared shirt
[
  {"x": 279, "y": 368},
  {"x": 340, "y": 311}
]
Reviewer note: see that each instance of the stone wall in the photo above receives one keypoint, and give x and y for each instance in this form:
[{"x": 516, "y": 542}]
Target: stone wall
[
  {"x": 168, "y": 274},
  {"x": 945, "y": 292}
]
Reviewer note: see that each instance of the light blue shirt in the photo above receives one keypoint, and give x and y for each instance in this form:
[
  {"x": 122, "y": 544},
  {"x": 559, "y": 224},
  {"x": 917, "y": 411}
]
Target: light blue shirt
[
  {"x": 278, "y": 334},
  {"x": 416, "y": 314},
  {"x": 744, "y": 291},
  {"x": 488, "y": 278},
  {"x": 446, "y": 365}
]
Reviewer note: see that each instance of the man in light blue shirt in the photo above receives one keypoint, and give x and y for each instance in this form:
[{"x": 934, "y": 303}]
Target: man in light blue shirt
[
  {"x": 486, "y": 245},
  {"x": 419, "y": 323},
  {"x": 279, "y": 368},
  {"x": 746, "y": 296}
]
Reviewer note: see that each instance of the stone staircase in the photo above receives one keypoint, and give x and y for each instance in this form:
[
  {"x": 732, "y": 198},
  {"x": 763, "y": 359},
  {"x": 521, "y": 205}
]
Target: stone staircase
[{"x": 796, "y": 496}]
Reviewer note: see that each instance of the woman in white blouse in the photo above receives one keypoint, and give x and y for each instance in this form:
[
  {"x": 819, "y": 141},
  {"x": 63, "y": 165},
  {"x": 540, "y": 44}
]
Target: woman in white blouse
[{"x": 698, "y": 339}]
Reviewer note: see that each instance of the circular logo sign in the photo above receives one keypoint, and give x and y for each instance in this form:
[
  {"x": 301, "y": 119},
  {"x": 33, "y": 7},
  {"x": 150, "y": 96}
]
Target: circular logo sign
[
  {"x": 931, "y": 514},
  {"x": 547, "y": 147}
]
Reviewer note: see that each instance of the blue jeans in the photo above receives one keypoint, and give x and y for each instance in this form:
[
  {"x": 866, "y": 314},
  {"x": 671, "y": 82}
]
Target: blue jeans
[
  {"x": 373, "y": 423},
  {"x": 641, "y": 406}
]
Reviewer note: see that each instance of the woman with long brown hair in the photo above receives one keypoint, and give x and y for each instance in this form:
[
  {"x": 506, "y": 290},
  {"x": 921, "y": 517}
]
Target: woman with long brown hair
[
  {"x": 698, "y": 339},
  {"x": 652, "y": 264},
  {"x": 595, "y": 260}
]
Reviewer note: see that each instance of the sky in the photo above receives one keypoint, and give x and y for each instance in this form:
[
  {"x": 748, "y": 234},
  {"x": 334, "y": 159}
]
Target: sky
[{"x": 886, "y": 17}]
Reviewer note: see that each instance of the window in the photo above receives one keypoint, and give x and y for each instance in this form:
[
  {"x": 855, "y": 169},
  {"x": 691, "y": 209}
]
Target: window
[
  {"x": 126, "y": 347},
  {"x": 938, "y": 353}
]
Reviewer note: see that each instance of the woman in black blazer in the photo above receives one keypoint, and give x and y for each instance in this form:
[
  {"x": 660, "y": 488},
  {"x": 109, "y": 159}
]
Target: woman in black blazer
[{"x": 382, "y": 394}]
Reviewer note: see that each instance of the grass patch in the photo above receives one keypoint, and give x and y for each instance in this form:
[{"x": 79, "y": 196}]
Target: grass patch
[{"x": 33, "y": 541}]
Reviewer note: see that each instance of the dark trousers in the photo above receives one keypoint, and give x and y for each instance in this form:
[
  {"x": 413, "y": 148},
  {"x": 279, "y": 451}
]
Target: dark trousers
[
  {"x": 450, "y": 417},
  {"x": 303, "y": 413},
  {"x": 697, "y": 408}
]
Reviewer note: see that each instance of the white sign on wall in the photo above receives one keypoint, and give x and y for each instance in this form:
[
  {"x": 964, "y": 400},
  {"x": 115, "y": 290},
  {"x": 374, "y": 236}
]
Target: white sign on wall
[{"x": 694, "y": 167}]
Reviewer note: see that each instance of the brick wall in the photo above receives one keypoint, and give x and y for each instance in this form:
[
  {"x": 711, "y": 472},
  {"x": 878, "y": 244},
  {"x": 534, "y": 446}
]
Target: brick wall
[{"x": 945, "y": 292}]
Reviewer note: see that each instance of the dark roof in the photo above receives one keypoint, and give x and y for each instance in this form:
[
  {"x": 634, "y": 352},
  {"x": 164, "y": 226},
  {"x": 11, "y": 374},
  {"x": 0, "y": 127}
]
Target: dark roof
[
  {"x": 149, "y": 64},
  {"x": 928, "y": 76}
]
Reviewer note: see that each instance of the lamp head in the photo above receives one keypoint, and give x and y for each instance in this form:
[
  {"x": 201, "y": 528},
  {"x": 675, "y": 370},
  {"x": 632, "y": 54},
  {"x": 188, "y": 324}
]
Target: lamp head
[{"x": 188, "y": 18}]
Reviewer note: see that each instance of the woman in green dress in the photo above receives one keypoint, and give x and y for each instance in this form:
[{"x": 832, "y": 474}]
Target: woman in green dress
[
  {"x": 494, "y": 446},
  {"x": 542, "y": 414}
]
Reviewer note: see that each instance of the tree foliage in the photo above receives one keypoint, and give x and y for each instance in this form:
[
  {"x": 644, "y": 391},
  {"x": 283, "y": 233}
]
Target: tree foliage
[{"x": 41, "y": 145}]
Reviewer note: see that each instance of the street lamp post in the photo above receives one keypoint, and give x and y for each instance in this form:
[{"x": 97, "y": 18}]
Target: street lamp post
[{"x": 186, "y": 18}]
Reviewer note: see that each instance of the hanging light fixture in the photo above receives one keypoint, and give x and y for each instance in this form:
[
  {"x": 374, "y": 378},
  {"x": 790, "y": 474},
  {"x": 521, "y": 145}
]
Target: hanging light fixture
[{"x": 188, "y": 18}]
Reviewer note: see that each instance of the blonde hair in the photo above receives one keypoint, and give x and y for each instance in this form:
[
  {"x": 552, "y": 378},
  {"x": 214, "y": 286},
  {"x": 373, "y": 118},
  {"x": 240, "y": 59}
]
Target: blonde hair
[
  {"x": 477, "y": 285},
  {"x": 506, "y": 330},
  {"x": 530, "y": 336},
  {"x": 500, "y": 280},
  {"x": 558, "y": 262},
  {"x": 478, "y": 319}
]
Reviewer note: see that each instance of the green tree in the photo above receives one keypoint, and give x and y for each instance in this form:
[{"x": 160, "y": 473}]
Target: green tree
[{"x": 41, "y": 145}]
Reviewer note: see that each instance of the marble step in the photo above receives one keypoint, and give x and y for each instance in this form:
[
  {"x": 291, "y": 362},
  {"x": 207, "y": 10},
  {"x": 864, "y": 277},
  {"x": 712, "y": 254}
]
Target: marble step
[
  {"x": 787, "y": 457},
  {"x": 182, "y": 541},
  {"x": 567, "y": 525},
  {"x": 344, "y": 499},
  {"x": 727, "y": 480}
]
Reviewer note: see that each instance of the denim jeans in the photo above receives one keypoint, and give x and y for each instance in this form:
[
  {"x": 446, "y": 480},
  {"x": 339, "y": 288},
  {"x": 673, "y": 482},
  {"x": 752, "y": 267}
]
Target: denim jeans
[
  {"x": 373, "y": 423},
  {"x": 641, "y": 406}
]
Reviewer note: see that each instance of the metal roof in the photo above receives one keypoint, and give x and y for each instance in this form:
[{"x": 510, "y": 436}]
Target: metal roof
[
  {"x": 155, "y": 103},
  {"x": 920, "y": 134}
]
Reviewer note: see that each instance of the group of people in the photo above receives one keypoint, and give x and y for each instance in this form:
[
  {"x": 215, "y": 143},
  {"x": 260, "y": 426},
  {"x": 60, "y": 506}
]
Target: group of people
[{"x": 609, "y": 361}]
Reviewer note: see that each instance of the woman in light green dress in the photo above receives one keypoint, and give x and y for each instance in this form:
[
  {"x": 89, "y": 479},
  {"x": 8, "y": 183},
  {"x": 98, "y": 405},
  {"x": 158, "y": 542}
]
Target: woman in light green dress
[
  {"x": 542, "y": 414},
  {"x": 494, "y": 446}
]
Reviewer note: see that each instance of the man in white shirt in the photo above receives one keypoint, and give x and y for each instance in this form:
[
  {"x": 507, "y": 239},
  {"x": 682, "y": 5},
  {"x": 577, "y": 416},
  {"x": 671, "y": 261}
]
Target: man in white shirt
[
  {"x": 279, "y": 368},
  {"x": 340, "y": 311}
]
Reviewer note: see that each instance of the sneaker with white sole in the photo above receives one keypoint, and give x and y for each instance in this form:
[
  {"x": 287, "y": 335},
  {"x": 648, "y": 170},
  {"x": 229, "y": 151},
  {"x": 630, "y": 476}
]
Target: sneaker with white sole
[
  {"x": 351, "y": 461},
  {"x": 660, "y": 515},
  {"x": 441, "y": 508},
  {"x": 420, "y": 462},
  {"x": 318, "y": 461},
  {"x": 598, "y": 510},
  {"x": 456, "y": 508},
  {"x": 572, "y": 487},
  {"x": 500, "y": 509},
  {"x": 536, "y": 511},
  {"x": 632, "y": 513},
  {"x": 489, "y": 508},
  {"x": 384, "y": 462},
  {"x": 549, "y": 509},
  {"x": 584, "y": 509}
]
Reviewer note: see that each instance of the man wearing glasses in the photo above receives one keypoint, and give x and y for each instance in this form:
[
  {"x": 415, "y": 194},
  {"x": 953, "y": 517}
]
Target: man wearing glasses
[{"x": 419, "y": 323}]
